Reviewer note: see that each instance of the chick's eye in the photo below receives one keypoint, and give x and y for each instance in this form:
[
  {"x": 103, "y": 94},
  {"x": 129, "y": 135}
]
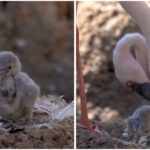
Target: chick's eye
[{"x": 9, "y": 67}]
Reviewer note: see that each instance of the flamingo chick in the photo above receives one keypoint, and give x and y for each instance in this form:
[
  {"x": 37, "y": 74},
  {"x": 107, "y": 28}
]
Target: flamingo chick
[{"x": 138, "y": 125}]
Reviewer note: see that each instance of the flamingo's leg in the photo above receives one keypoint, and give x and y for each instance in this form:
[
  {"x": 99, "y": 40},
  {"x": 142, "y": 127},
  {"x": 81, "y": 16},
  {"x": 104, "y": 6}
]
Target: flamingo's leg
[{"x": 85, "y": 123}]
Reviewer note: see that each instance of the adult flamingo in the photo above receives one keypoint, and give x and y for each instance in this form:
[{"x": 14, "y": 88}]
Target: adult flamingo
[
  {"x": 133, "y": 70},
  {"x": 135, "y": 14},
  {"x": 130, "y": 60}
]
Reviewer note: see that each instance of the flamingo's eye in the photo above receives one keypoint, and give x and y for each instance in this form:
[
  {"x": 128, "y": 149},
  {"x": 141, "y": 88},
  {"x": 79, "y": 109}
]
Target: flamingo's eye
[
  {"x": 9, "y": 67},
  {"x": 129, "y": 83}
]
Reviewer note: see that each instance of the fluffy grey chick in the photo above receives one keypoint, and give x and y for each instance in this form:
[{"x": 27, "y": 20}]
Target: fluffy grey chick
[
  {"x": 26, "y": 90},
  {"x": 138, "y": 124}
]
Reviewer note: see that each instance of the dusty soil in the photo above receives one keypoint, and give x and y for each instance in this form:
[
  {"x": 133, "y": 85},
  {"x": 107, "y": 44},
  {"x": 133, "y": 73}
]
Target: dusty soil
[
  {"x": 109, "y": 102},
  {"x": 48, "y": 130}
]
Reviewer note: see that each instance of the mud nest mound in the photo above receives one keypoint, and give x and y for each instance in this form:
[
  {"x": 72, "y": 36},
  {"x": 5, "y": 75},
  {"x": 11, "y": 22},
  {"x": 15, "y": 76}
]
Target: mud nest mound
[
  {"x": 88, "y": 139},
  {"x": 52, "y": 127}
]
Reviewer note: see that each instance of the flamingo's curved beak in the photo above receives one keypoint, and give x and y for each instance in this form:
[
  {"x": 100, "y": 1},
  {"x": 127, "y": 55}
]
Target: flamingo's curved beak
[{"x": 142, "y": 89}]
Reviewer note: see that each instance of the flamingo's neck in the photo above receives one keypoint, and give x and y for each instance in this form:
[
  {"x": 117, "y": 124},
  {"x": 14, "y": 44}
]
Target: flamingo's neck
[
  {"x": 140, "y": 11},
  {"x": 126, "y": 66},
  {"x": 137, "y": 43}
]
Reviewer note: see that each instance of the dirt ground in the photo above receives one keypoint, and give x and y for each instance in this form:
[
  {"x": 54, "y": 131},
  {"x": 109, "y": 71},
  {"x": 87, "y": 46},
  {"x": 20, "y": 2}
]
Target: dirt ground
[
  {"x": 52, "y": 127},
  {"x": 109, "y": 102}
]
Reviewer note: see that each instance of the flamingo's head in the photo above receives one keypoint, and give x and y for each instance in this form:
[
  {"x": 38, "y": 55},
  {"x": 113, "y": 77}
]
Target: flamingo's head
[{"x": 142, "y": 89}]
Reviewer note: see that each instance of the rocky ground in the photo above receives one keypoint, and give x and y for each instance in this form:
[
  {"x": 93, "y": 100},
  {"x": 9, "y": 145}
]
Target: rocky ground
[
  {"x": 52, "y": 127},
  {"x": 109, "y": 102}
]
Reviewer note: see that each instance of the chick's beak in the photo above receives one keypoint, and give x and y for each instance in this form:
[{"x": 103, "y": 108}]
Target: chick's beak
[{"x": 3, "y": 72}]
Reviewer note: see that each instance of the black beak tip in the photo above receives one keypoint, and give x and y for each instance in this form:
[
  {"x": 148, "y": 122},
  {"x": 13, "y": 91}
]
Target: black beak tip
[{"x": 142, "y": 89}]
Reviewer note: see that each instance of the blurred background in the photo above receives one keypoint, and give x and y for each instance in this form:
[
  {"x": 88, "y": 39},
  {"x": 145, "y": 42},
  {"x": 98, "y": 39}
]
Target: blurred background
[
  {"x": 101, "y": 25},
  {"x": 41, "y": 34}
]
